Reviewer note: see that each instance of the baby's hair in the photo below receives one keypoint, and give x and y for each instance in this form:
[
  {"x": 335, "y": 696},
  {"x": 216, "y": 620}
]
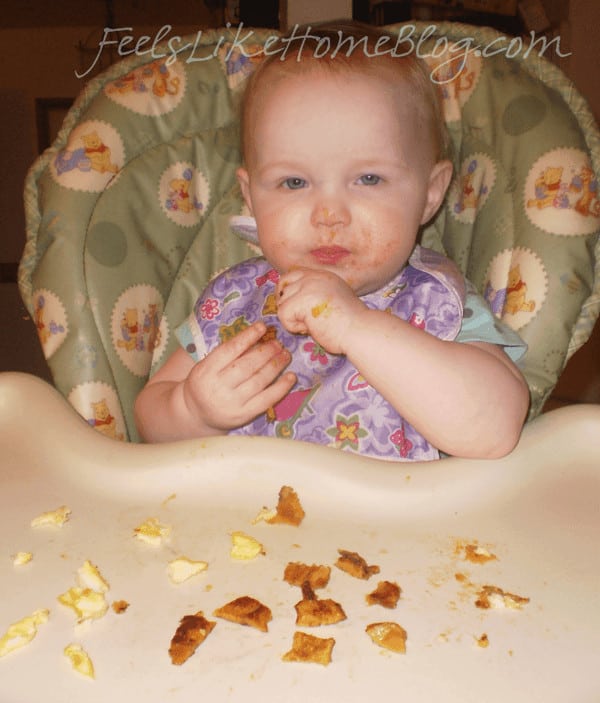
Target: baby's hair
[{"x": 347, "y": 46}]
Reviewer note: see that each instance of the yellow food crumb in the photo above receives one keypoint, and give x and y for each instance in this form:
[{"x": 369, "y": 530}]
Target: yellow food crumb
[
  {"x": 265, "y": 514},
  {"x": 21, "y": 558},
  {"x": 89, "y": 576},
  {"x": 245, "y": 547},
  {"x": 80, "y": 660},
  {"x": 482, "y": 641},
  {"x": 319, "y": 309},
  {"x": 22, "y": 632},
  {"x": 87, "y": 604},
  {"x": 152, "y": 531},
  {"x": 56, "y": 517},
  {"x": 182, "y": 568}
]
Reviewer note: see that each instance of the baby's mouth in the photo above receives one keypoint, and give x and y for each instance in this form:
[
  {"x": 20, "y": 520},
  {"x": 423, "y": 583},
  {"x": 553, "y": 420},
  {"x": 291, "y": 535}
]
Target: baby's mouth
[{"x": 329, "y": 254}]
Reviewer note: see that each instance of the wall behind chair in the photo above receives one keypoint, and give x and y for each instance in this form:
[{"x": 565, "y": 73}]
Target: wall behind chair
[{"x": 39, "y": 58}]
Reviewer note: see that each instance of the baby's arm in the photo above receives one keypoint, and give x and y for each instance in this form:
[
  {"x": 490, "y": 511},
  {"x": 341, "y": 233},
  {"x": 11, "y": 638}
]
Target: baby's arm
[
  {"x": 237, "y": 381},
  {"x": 467, "y": 399}
]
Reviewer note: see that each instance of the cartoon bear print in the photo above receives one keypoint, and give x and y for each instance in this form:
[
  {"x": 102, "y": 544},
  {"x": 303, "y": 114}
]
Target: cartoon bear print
[
  {"x": 516, "y": 293},
  {"x": 103, "y": 421},
  {"x": 98, "y": 153}
]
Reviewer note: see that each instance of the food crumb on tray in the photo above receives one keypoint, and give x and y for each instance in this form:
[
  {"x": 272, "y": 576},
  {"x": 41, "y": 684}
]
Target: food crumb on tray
[
  {"x": 152, "y": 531},
  {"x": 355, "y": 565},
  {"x": 310, "y": 649},
  {"x": 189, "y": 635},
  {"x": 492, "y": 597},
  {"x": 246, "y": 610},
  {"x": 57, "y": 517},
  {"x": 289, "y": 510},
  {"x": 22, "y": 558},
  {"x": 80, "y": 660},
  {"x": 389, "y": 635},
  {"x": 183, "y": 568},
  {"x": 245, "y": 547},
  {"x": 23, "y": 631}
]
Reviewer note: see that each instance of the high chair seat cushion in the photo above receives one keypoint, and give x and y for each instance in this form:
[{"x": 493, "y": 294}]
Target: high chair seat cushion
[{"x": 128, "y": 211}]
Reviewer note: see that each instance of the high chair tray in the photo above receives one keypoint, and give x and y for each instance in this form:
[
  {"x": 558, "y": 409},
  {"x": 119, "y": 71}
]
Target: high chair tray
[{"x": 536, "y": 511}]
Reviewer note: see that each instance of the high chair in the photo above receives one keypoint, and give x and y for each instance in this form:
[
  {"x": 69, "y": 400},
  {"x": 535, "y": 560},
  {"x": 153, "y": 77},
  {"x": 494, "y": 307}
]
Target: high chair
[
  {"x": 497, "y": 560},
  {"x": 128, "y": 211}
]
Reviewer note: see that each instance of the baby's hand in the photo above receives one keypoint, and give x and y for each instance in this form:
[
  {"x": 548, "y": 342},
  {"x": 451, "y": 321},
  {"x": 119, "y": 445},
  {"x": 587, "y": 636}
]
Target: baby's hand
[
  {"x": 238, "y": 380},
  {"x": 318, "y": 303}
]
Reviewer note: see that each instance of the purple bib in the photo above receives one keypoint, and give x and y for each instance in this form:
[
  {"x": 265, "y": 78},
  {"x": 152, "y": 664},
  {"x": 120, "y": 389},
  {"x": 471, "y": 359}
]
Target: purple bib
[{"x": 331, "y": 403}]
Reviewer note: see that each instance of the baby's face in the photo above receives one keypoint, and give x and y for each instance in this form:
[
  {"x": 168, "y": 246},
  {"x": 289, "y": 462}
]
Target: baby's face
[{"x": 338, "y": 176}]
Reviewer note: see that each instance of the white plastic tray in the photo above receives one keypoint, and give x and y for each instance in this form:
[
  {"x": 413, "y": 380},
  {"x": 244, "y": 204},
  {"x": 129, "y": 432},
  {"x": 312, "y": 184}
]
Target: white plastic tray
[{"x": 538, "y": 510}]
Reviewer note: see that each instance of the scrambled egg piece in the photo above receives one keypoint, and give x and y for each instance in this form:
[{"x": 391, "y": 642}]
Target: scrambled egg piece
[
  {"x": 80, "y": 660},
  {"x": 88, "y": 576},
  {"x": 266, "y": 514},
  {"x": 87, "y": 599},
  {"x": 22, "y": 632},
  {"x": 152, "y": 531},
  {"x": 56, "y": 517},
  {"x": 21, "y": 558},
  {"x": 87, "y": 604},
  {"x": 182, "y": 568},
  {"x": 245, "y": 547}
]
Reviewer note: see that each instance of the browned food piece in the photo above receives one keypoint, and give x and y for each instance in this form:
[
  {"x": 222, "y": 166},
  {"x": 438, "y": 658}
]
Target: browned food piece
[
  {"x": 246, "y": 610},
  {"x": 289, "y": 511},
  {"x": 477, "y": 554},
  {"x": 120, "y": 606},
  {"x": 494, "y": 597},
  {"x": 192, "y": 631},
  {"x": 388, "y": 635},
  {"x": 311, "y": 649},
  {"x": 316, "y": 575},
  {"x": 353, "y": 564},
  {"x": 313, "y": 613},
  {"x": 386, "y": 594},
  {"x": 483, "y": 641}
]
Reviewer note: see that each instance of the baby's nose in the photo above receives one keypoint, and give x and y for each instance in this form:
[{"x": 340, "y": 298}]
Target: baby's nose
[{"x": 330, "y": 215}]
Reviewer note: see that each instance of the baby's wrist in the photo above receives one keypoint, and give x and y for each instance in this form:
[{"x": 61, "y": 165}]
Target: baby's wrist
[{"x": 354, "y": 329}]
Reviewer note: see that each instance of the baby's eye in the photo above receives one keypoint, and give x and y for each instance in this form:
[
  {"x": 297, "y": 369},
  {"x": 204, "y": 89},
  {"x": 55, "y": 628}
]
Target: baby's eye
[
  {"x": 294, "y": 183},
  {"x": 369, "y": 179}
]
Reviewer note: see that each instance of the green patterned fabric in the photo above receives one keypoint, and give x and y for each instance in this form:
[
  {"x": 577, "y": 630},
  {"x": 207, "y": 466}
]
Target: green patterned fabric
[{"x": 127, "y": 212}]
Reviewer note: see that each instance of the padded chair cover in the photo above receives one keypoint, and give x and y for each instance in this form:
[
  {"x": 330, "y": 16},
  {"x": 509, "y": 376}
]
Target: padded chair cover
[{"x": 127, "y": 212}]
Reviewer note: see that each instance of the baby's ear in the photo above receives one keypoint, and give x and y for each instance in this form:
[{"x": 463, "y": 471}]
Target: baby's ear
[
  {"x": 439, "y": 180},
  {"x": 244, "y": 181}
]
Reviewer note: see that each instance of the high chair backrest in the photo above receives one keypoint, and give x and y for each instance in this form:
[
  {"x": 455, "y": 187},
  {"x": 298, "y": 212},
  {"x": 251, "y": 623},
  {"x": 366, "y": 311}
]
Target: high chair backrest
[{"x": 127, "y": 212}]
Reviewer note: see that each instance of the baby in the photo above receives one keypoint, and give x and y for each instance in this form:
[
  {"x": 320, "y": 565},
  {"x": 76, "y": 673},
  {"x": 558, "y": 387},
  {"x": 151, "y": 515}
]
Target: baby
[{"x": 346, "y": 332}]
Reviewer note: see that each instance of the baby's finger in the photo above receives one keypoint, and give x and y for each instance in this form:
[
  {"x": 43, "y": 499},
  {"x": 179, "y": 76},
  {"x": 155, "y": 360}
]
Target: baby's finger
[
  {"x": 292, "y": 315},
  {"x": 272, "y": 394},
  {"x": 261, "y": 364},
  {"x": 288, "y": 279},
  {"x": 230, "y": 351}
]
